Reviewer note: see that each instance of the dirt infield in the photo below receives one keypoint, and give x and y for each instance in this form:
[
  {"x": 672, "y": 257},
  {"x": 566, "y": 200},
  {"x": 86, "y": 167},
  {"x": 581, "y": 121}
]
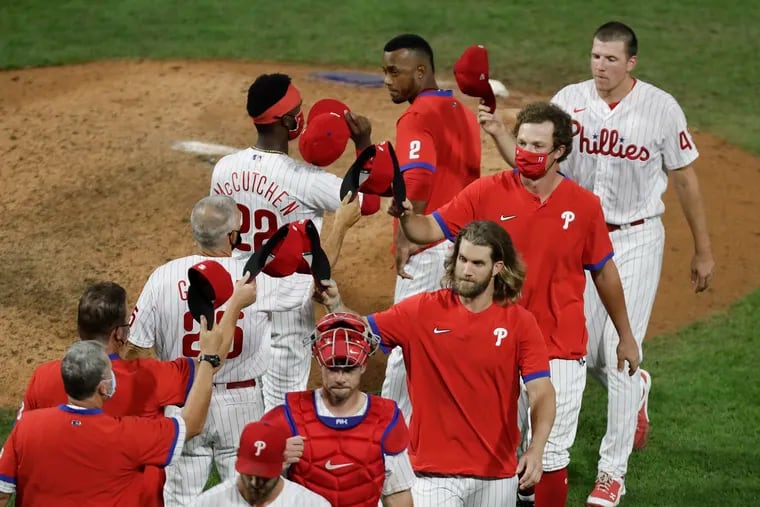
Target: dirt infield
[{"x": 91, "y": 191}]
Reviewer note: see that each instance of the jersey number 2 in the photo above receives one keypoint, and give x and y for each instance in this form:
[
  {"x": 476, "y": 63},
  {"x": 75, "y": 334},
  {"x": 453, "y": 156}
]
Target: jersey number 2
[
  {"x": 189, "y": 348},
  {"x": 264, "y": 226},
  {"x": 414, "y": 149}
]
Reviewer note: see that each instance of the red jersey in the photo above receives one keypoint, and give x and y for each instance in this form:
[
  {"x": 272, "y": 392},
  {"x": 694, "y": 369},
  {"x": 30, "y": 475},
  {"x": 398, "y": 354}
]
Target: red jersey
[
  {"x": 68, "y": 457},
  {"x": 441, "y": 135},
  {"x": 463, "y": 372},
  {"x": 143, "y": 386},
  {"x": 557, "y": 240}
]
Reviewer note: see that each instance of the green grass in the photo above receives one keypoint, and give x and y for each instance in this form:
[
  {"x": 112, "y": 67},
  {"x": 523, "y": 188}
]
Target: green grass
[
  {"x": 704, "y": 448},
  {"x": 702, "y": 51}
]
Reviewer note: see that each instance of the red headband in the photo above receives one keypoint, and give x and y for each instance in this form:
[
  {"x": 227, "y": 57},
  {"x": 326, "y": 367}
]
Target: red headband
[{"x": 283, "y": 106}]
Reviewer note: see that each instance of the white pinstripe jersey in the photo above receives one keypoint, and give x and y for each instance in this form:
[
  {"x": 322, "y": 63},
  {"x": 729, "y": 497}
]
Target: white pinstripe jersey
[
  {"x": 161, "y": 318},
  {"x": 623, "y": 154},
  {"x": 228, "y": 494},
  {"x": 272, "y": 189}
]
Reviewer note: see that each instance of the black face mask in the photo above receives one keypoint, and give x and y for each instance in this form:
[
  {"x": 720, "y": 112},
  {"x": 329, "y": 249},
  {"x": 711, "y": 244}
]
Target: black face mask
[{"x": 238, "y": 240}]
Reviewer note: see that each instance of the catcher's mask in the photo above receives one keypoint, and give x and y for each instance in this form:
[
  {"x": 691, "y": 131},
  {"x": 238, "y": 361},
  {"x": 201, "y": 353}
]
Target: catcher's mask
[{"x": 342, "y": 340}]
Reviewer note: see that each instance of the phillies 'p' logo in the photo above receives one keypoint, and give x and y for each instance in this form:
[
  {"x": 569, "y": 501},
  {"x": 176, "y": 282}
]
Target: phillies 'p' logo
[
  {"x": 260, "y": 445},
  {"x": 500, "y": 334},
  {"x": 567, "y": 216}
]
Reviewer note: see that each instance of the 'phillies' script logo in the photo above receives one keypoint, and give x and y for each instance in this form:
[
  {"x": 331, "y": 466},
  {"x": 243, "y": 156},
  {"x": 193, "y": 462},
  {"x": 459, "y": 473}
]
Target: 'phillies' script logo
[{"x": 608, "y": 142}]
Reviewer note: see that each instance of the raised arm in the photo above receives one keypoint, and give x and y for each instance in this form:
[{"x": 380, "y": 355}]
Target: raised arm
[
  {"x": 345, "y": 217},
  {"x": 503, "y": 138},
  {"x": 422, "y": 229},
  {"x": 702, "y": 263}
]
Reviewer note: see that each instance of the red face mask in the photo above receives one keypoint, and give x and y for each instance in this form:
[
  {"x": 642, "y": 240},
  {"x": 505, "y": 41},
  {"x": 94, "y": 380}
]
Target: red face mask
[
  {"x": 294, "y": 133},
  {"x": 532, "y": 165}
]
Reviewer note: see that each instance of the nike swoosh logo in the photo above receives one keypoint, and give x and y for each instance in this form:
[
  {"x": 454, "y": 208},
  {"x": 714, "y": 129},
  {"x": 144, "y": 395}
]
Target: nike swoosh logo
[
  {"x": 439, "y": 331},
  {"x": 578, "y": 109},
  {"x": 330, "y": 466},
  {"x": 504, "y": 218}
]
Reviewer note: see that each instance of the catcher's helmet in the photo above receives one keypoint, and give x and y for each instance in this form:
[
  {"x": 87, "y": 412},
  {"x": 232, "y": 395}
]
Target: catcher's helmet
[{"x": 342, "y": 340}]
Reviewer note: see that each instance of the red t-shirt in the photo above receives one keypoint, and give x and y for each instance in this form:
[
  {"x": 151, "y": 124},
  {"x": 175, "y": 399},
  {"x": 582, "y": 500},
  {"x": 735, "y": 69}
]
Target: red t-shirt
[
  {"x": 143, "y": 386},
  {"x": 557, "y": 240},
  {"x": 67, "y": 457},
  {"x": 439, "y": 134},
  {"x": 463, "y": 372}
]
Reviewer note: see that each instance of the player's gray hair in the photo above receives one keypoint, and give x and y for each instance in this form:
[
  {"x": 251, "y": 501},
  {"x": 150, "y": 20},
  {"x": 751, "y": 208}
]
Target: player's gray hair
[
  {"x": 212, "y": 219},
  {"x": 83, "y": 368}
]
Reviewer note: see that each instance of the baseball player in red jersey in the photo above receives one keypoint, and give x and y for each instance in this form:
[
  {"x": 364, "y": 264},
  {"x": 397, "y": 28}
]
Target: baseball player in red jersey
[
  {"x": 99, "y": 459},
  {"x": 559, "y": 230},
  {"x": 348, "y": 446},
  {"x": 465, "y": 348},
  {"x": 438, "y": 147},
  {"x": 272, "y": 189},
  {"x": 146, "y": 386}
]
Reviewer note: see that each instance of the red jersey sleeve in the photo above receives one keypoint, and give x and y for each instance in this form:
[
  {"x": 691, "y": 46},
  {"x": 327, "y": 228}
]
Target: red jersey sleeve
[
  {"x": 156, "y": 441},
  {"x": 30, "y": 396},
  {"x": 459, "y": 211},
  {"x": 415, "y": 147},
  {"x": 419, "y": 184},
  {"x": 597, "y": 249},
  {"x": 396, "y": 436},
  {"x": 174, "y": 380},
  {"x": 533, "y": 356},
  {"x": 392, "y": 325},
  {"x": 278, "y": 417},
  {"x": 9, "y": 464}
]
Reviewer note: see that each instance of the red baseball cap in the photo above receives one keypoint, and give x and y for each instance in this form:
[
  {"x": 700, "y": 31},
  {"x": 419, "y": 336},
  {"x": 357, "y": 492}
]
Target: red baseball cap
[
  {"x": 471, "y": 73},
  {"x": 324, "y": 139},
  {"x": 210, "y": 287},
  {"x": 294, "y": 248},
  {"x": 262, "y": 450},
  {"x": 375, "y": 172}
]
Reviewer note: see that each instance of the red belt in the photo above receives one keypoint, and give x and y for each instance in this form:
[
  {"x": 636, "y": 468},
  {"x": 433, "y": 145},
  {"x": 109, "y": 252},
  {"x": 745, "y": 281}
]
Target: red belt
[
  {"x": 239, "y": 385},
  {"x": 614, "y": 227}
]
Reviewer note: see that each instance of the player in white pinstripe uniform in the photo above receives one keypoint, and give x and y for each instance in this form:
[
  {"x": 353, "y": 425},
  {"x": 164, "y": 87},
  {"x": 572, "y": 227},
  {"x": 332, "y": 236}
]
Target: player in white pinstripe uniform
[
  {"x": 272, "y": 189},
  {"x": 438, "y": 147},
  {"x": 161, "y": 319},
  {"x": 629, "y": 137}
]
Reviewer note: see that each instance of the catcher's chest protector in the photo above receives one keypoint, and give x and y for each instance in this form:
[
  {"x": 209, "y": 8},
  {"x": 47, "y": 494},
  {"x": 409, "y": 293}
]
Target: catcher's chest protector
[{"x": 343, "y": 456}]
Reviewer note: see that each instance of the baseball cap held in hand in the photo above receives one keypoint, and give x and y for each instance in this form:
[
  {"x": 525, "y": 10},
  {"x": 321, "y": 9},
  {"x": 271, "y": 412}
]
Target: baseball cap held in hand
[
  {"x": 294, "y": 248},
  {"x": 471, "y": 73},
  {"x": 326, "y": 135},
  {"x": 210, "y": 287},
  {"x": 261, "y": 451},
  {"x": 375, "y": 172}
]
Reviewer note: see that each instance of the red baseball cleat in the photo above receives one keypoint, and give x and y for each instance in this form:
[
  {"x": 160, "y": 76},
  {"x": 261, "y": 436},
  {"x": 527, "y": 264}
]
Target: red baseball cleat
[
  {"x": 607, "y": 491},
  {"x": 642, "y": 423}
]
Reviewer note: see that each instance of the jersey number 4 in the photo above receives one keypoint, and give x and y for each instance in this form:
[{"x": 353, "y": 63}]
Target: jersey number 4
[
  {"x": 261, "y": 222},
  {"x": 190, "y": 347}
]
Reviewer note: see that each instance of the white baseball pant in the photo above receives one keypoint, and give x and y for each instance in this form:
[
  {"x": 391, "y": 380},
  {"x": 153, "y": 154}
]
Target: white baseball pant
[
  {"x": 638, "y": 256},
  {"x": 568, "y": 377},
  {"x": 454, "y": 491},
  {"x": 291, "y": 355},
  {"x": 427, "y": 269},
  {"x": 229, "y": 411}
]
